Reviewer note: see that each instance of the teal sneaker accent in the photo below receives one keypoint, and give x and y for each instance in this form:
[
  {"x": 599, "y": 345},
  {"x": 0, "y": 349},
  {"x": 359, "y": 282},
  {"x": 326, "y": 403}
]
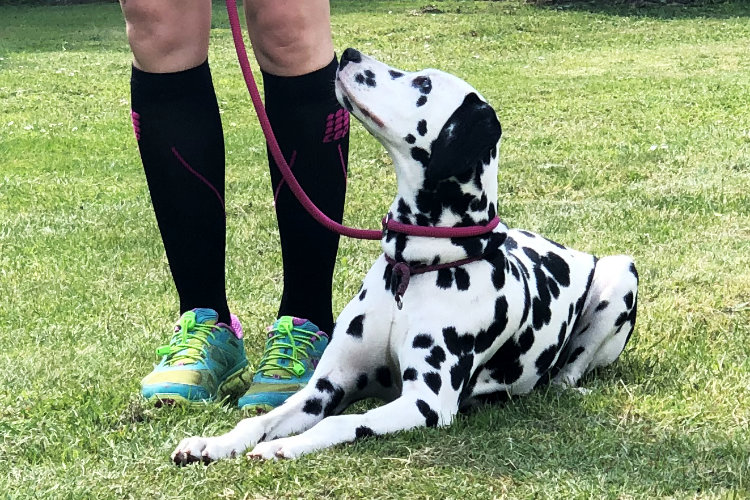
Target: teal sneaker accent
[
  {"x": 204, "y": 361},
  {"x": 293, "y": 349}
]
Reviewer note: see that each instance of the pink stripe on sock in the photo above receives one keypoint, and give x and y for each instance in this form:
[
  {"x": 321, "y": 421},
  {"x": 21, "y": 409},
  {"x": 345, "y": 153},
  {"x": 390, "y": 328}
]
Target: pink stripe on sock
[
  {"x": 278, "y": 188},
  {"x": 136, "y": 119},
  {"x": 343, "y": 164},
  {"x": 199, "y": 176}
]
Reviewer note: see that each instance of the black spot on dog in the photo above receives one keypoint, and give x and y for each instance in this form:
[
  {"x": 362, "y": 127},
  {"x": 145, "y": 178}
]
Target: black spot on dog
[
  {"x": 383, "y": 376},
  {"x": 363, "y": 294},
  {"x": 423, "y": 83},
  {"x": 355, "y": 327},
  {"x": 628, "y": 300},
  {"x": 348, "y": 104},
  {"x": 514, "y": 271},
  {"x": 510, "y": 243},
  {"x": 540, "y": 313},
  {"x": 422, "y": 127},
  {"x": 526, "y": 340},
  {"x": 421, "y": 101},
  {"x": 531, "y": 254},
  {"x": 436, "y": 357},
  {"x": 421, "y": 156},
  {"x": 333, "y": 404},
  {"x": 545, "y": 359},
  {"x": 562, "y": 335},
  {"x": 363, "y": 432},
  {"x": 403, "y": 207},
  {"x": 409, "y": 374},
  {"x": 498, "y": 277},
  {"x": 395, "y": 74},
  {"x": 433, "y": 381},
  {"x": 431, "y": 417},
  {"x": 526, "y": 302},
  {"x": 324, "y": 385},
  {"x": 480, "y": 204},
  {"x": 368, "y": 78},
  {"x": 422, "y": 341},
  {"x": 553, "y": 288},
  {"x": 582, "y": 299},
  {"x": 602, "y": 305},
  {"x": 505, "y": 365},
  {"x": 362, "y": 381},
  {"x": 492, "y": 212},
  {"x": 457, "y": 344},
  {"x": 501, "y": 312},
  {"x": 557, "y": 266},
  {"x": 485, "y": 338},
  {"x": 422, "y": 220},
  {"x": 388, "y": 276},
  {"x": 313, "y": 406},
  {"x": 460, "y": 372},
  {"x": 462, "y": 278},
  {"x": 472, "y": 246},
  {"x": 400, "y": 246},
  {"x": 444, "y": 278},
  {"x": 633, "y": 270},
  {"x": 574, "y": 355},
  {"x": 451, "y": 196},
  {"x": 410, "y": 139},
  {"x": 570, "y": 312},
  {"x": 621, "y": 319}
]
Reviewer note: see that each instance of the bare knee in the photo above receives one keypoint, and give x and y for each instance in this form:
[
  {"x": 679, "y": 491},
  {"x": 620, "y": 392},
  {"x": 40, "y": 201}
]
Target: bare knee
[
  {"x": 290, "y": 37},
  {"x": 167, "y": 35}
]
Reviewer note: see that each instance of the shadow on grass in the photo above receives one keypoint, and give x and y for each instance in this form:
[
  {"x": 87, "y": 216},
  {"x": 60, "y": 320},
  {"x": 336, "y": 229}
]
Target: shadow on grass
[{"x": 657, "y": 9}]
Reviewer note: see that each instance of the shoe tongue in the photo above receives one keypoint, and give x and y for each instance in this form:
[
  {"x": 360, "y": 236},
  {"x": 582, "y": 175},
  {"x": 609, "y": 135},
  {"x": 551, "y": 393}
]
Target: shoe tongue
[
  {"x": 205, "y": 315},
  {"x": 284, "y": 325},
  {"x": 188, "y": 320}
]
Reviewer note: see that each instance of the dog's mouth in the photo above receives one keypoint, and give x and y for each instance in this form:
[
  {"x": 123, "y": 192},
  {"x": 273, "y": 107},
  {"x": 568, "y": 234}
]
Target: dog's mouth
[{"x": 351, "y": 104}]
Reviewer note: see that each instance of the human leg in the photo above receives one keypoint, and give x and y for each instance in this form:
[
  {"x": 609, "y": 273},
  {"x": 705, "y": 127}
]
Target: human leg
[
  {"x": 178, "y": 128},
  {"x": 292, "y": 42}
]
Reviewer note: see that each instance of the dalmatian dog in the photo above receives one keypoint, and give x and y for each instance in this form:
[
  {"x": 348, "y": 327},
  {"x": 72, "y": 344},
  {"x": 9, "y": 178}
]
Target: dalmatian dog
[{"x": 491, "y": 316}]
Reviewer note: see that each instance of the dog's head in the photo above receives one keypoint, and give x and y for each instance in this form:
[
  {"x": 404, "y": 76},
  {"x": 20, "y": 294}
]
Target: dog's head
[{"x": 432, "y": 123}]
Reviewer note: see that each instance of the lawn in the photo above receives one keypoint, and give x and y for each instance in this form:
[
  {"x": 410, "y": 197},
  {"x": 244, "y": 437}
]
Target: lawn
[{"x": 625, "y": 131}]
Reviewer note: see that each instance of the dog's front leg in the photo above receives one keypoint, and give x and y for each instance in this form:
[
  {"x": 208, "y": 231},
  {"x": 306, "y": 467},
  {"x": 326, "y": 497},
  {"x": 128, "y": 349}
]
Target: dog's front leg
[
  {"x": 407, "y": 412},
  {"x": 301, "y": 411}
]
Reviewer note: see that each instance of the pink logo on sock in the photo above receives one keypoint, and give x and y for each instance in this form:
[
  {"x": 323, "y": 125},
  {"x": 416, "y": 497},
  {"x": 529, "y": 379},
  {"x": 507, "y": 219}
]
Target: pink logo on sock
[
  {"x": 337, "y": 125},
  {"x": 136, "y": 118}
]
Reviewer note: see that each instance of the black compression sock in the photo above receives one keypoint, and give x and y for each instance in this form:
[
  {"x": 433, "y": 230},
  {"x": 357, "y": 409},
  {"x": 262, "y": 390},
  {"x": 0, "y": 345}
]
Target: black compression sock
[
  {"x": 178, "y": 128},
  {"x": 313, "y": 132}
]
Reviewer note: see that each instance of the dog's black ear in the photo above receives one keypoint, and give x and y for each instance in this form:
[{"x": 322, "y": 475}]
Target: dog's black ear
[{"x": 468, "y": 135}]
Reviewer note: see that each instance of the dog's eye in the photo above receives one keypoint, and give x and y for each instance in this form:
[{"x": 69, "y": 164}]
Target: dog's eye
[{"x": 423, "y": 83}]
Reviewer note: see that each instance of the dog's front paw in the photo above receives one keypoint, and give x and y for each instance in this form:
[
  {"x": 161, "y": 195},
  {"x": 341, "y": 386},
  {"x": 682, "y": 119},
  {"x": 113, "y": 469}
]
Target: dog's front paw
[
  {"x": 205, "y": 450},
  {"x": 278, "y": 448}
]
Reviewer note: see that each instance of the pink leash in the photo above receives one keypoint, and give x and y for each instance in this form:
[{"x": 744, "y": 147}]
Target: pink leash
[{"x": 299, "y": 193}]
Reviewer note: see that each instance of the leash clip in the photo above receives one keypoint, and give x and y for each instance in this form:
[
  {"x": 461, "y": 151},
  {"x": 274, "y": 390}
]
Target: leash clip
[{"x": 404, "y": 274}]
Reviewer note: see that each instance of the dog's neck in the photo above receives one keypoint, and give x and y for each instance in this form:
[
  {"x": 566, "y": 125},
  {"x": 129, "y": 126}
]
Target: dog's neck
[{"x": 468, "y": 199}]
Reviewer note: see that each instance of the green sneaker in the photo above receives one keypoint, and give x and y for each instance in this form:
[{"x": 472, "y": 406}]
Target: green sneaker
[
  {"x": 204, "y": 361},
  {"x": 293, "y": 349}
]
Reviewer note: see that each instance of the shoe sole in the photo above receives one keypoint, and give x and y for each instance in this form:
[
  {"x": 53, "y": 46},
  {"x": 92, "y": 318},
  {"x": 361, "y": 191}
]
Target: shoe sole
[{"x": 232, "y": 389}]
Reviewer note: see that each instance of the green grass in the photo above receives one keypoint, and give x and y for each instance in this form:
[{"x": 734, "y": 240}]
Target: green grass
[{"x": 625, "y": 131}]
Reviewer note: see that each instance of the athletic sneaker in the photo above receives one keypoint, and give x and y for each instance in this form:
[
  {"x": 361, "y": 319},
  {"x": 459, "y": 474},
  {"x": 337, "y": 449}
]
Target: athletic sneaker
[
  {"x": 204, "y": 361},
  {"x": 293, "y": 349}
]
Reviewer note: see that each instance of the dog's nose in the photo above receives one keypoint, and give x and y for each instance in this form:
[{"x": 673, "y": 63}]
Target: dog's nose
[{"x": 350, "y": 55}]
